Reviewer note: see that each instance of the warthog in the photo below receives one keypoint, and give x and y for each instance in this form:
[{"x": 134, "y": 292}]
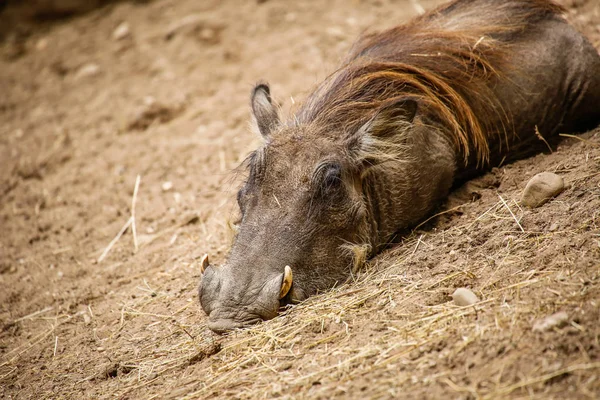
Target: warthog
[{"x": 377, "y": 146}]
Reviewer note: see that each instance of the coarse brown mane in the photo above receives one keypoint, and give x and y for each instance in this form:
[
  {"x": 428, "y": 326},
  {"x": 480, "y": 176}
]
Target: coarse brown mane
[{"x": 445, "y": 63}]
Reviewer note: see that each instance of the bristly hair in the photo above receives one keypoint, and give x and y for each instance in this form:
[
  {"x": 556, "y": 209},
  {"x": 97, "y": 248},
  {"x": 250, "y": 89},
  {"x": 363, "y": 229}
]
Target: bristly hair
[
  {"x": 445, "y": 63},
  {"x": 253, "y": 164}
]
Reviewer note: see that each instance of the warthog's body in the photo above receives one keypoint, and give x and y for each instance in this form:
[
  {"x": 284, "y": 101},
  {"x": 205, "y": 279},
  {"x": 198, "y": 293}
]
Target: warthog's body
[{"x": 378, "y": 145}]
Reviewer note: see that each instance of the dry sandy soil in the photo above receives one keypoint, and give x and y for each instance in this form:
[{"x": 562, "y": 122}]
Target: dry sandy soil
[{"x": 88, "y": 105}]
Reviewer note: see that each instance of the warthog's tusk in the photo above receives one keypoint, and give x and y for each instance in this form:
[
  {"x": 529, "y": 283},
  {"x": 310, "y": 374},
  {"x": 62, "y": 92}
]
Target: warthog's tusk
[
  {"x": 204, "y": 263},
  {"x": 286, "y": 284}
]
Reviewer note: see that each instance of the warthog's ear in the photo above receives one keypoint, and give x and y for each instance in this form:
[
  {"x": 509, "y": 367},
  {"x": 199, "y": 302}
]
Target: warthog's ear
[
  {"x": 390, "y": 117},
  {"x": 382, "y": 138},
  {"x": 263, "y": 110}
]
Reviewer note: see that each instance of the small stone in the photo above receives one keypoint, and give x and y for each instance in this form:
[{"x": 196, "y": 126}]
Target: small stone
[
  {"x": 41, "y": 44},
  {"x": 87, "y": 70},
  {"x": 335, "y": 31},
  {"x": 464, "y": 297},
  {"x": 166, "y": 186},
  {"x": 555, "y": 320},
  {"x": 121, "y": 32},
  {"x": 207, "y": 34},
  {"x": 414, "y": 354},
  {"x": 86, "y": 319},
  {"x": 351, "y": 21},
  {"x": 542, "y": 188}
]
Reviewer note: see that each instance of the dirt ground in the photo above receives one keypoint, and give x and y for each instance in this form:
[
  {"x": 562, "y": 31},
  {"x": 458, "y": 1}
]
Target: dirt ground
[{"x": 92, "y": 99}]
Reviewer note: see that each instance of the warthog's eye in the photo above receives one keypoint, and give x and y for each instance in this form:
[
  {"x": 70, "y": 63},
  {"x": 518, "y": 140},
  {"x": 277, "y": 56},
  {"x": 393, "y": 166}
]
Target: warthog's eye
[
  {"x": 328, "y": 178},
  {"x": 333, "y": 177}
]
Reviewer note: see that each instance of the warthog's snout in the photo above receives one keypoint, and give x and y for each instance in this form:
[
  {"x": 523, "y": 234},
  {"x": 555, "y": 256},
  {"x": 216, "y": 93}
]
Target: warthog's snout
[{"x": 237, "y": 300}]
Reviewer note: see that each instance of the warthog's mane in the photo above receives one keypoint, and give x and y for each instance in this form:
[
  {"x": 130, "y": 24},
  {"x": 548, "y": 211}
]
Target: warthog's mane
[{"x": 446, "y": 64}]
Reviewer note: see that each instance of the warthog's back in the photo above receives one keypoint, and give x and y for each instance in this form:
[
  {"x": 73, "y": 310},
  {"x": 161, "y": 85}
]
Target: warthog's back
[
  {"x": 379, "y": 143},
  {"x": 491, "y": 70}
]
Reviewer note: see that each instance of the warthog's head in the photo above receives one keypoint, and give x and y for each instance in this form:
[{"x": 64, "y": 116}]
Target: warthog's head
[{"x": 304, "y": 222}]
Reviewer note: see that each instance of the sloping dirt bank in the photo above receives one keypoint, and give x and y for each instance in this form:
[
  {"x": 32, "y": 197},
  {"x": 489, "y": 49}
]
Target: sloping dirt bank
[{"x": 160, "y": 90}]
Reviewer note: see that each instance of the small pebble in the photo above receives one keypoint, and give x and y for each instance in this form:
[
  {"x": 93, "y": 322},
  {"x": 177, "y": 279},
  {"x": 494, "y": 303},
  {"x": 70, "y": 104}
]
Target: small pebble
[
  {"x": 88, "y": 70},
  {"x": 208, "y": 34},
  {"x": 166, "y": 186},
  {"x": 542, "y": 188},
  {"x": 335, "y": 31},
  {"x": 177, "y": 197},
  {"x": 351, "y": 21},
  {"x": 555, "y": 320},
  {"x": 121, "y": 32},
  {"x": 41, "y": 44},
  {"x": 464, "y": 297}
]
